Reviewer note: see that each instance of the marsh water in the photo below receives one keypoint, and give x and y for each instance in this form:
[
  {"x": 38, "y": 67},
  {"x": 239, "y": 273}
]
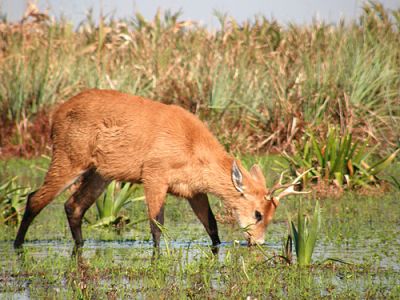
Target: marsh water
[{"x": 356, "y": 256}]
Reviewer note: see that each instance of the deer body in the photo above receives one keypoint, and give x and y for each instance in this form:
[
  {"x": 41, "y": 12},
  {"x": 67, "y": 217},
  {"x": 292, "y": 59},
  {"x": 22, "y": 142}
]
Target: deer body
[{"x": 102, "y": 135}]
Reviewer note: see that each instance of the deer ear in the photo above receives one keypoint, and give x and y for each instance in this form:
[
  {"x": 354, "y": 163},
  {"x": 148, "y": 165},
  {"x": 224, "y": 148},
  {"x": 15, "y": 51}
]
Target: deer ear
[
  {"x": 237, "y": 177},
  {"x": 257, "y": 174}
]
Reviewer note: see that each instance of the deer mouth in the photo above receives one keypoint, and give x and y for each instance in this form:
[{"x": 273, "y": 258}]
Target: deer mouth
[{"x": 252, "y": 242}]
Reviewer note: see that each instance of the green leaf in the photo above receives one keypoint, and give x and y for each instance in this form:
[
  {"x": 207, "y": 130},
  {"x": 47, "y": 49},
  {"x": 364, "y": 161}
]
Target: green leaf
[
  {"x": 305, "y": 235},
  {"x": 333, "y": 146},
  {"x": 108, "y": 200},
  {"x": 395, "y": 182},
  {"x": 353, "y": 150},
  {"x": 339, "y": 178},
  {"x": 100, "y": 205},
  {"x": 382, "y": 164},
  {"x": 318, "y": 152},
  {"x": 313, "y": 233},
  {"x": 105, "y": 221},
  {"x": 361, "y": 154},
  {"x": 122, "y": 198},
  {"x": 295, "y": 237},
  {"x": 306, "y": 152}
]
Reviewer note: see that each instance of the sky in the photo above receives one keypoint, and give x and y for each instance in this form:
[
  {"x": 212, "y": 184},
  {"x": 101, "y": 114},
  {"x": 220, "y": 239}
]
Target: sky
[{"x": 285, "y": 11}]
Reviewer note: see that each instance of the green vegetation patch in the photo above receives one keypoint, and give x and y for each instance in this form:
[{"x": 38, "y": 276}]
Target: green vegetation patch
[{"x": 116, "y": 262}]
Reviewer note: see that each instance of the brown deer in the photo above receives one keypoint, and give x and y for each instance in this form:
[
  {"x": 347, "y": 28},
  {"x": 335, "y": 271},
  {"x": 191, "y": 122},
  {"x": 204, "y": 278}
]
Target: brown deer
[{"x": 103, "y": 135}]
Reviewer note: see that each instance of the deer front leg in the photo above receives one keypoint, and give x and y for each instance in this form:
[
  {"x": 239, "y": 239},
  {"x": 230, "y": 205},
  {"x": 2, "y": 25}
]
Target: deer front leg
[{"x": 202, "y": 209}]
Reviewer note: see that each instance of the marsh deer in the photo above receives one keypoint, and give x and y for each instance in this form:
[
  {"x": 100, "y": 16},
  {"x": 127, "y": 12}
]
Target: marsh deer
[{"x": 103, "y": 135}]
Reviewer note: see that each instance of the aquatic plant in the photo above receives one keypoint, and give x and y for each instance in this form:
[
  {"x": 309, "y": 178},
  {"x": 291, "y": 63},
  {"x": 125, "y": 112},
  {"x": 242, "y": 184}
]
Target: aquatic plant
[
  {"x": 305, "y": 235},
  {"x": 109, "y": 205},
  {"x": 395, "y": 182},
  {"x": 337, "y": 159},
  {"x": 12, "y": 201},
  {"x": 361, "y": 229},
  {"x": 287, "y": 249}
]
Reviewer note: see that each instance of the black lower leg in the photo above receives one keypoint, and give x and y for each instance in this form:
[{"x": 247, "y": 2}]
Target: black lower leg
[
  {"x": 76, "y": 230},
  {"x": 155, "y": 227},
  {"x": 27, "y": 219},
  {"x": 213, "y": 228},
  {"x": 213, "y": 232},
  {"x": 75, "y": 223}
]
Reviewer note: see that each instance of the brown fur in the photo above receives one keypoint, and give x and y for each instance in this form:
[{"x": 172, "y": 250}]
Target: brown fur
[{"x": 103, "y": 135}]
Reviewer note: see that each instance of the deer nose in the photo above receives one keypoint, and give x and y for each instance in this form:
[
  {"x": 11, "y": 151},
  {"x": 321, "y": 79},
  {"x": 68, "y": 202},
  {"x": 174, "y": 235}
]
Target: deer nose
[
  {"x": 260, "y": 241},
  {"x": 253, "y": 242}
]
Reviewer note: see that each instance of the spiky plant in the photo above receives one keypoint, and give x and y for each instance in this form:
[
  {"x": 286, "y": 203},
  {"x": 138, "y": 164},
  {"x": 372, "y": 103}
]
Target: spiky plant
[
  {"x": 110, "y": 204},
  {"x": 305, "y": 234},
  {"x": 337, "y": 159},
  {"x": 12, "y": 201}
]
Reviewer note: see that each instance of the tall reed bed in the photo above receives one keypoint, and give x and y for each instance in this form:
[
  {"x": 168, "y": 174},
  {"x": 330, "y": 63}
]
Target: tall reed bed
[{"x": 258, "y": 84}]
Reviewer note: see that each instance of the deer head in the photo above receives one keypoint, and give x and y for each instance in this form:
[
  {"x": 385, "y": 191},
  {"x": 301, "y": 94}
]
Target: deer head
[{"x": 256, "y": 204}]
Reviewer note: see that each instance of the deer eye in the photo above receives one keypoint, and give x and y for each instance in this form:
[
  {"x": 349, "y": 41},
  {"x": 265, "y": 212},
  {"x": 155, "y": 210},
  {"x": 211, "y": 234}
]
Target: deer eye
[{"x": 258, "y": 216}]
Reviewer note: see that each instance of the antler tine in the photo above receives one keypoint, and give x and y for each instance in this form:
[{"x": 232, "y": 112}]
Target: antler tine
[
  {"x": 290, "y": 191},
  {"x": 296, "y": 181},
  {"x": 289, "y": 188},
  {"x": 281, "y": 177},
  {"x": 278, "y": 186}
]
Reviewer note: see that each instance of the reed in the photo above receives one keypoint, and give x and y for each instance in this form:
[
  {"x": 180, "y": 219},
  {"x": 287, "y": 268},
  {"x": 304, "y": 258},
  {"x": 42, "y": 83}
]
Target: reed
[{"x": 258, "y": 84}]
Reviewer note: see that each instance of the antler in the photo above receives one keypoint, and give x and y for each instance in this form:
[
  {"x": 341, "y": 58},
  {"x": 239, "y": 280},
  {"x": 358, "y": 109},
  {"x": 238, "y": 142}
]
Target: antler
[{"x": 288, "y": 188}]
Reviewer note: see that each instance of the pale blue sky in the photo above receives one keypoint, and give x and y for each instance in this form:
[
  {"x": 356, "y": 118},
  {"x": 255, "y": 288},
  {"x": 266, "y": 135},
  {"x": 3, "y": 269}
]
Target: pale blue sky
[{"x": 298, "y": 11}]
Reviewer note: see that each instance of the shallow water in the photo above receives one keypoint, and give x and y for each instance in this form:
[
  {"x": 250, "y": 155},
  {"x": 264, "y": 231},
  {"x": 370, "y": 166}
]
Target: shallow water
[
  {"x": 120, "y": 248},
  {"x": 359, "y": 230},
  {"x": 125, "y": 252}
]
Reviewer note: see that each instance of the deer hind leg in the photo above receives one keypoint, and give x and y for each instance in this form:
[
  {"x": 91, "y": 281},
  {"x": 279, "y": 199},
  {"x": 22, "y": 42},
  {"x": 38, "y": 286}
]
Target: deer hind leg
[
  {"x": 59, "y": 176},
  {"x": 155, "y": 199},
  {"x": 202, "y": 209},
  {"x": 90, "y": 189}
]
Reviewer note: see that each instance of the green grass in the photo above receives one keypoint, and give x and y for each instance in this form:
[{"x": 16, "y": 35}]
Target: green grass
[{"x": 361, "y": 230}]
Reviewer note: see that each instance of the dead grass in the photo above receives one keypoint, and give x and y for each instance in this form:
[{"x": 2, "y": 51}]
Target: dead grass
[{"x": 259, "y": 85}]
